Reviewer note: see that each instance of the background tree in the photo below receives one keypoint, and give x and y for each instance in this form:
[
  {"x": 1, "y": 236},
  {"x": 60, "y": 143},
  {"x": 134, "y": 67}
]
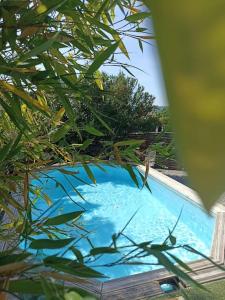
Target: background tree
[{"x": 123, "y": 102}]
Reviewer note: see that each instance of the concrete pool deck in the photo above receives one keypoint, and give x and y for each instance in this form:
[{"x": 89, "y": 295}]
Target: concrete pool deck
[{"x": 146, "y": 285}]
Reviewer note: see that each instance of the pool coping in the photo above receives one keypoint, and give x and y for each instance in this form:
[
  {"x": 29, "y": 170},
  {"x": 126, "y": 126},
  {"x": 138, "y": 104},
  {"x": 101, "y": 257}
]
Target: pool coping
[
  {"x": 146, "y": 285},
  {"x": 179, "y": 188}
]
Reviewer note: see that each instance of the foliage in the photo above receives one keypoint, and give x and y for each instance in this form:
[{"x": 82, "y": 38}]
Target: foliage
[
  {"x": 162, "y": 116},
  {"x": 165, "y": 153},
  {"x": 123, "y": 101},
  {"x": 51, "y": 48}
]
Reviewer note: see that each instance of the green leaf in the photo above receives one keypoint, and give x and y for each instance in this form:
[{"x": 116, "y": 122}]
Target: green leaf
[
  {"x": 39, "y": 49},
  {"x": 71, "y": 267},
  {"x": 121, "y": 45},
  {"x": 5, "y": 150},
  {"x": 163, "y": 260},
  {"x": 78, "y": 254},
  {"x": 48, "y": 289},
  {"x": 18, "y": 122},
  {"x": 67, "y": 172},
  {"x": 25, "y": 286},
  {"x": 180, "y": 262},
  {"x": 129, "y": 142},
  {"x": 34, "y": 287},
  {"x": 102, "y": 25},
  {"x": 132, "y": 174},
  {"x": 78, "y": 270},
  {"x": 11, "y": 258},
  {"x": 66, "y": 104},
  {"x": 62, "y": 219},
  {"x": 102, "y": 8},
  {"x": 128, "y": 71},
  {"x": 89, "y": 172},
  {"x": 194, "y": 78},
  {"x": 61, "y": 132},
  {"x": 172, "y": 239},
  {"x": 50, "y": 244},
  {"x": 93, "y": 130},
  {"x": 138, "y": 16},
  {"x": 25, "y": 96},
  {"x": 101, "y": 58},
  {"x": 100, "y": 119},
  {"x": 103, "y": 250}
]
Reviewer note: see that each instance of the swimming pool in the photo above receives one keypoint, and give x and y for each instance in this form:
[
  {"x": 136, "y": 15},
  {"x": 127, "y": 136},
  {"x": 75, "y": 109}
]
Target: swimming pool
[{"x": 114, "y": 201}]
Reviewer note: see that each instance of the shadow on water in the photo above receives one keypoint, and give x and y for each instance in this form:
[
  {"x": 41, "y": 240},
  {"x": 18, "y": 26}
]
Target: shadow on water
[
  {"x": 67, "y": 199},
  {"x": 114, "y": 175}
]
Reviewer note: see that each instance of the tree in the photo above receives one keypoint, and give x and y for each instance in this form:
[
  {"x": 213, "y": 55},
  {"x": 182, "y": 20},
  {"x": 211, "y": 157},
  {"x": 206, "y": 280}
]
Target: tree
[{"x": 125, "y": 104}]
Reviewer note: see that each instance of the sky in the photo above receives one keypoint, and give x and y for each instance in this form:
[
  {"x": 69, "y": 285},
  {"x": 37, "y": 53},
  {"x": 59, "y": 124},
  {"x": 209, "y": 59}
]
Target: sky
[{"x": 148, "y": 61}]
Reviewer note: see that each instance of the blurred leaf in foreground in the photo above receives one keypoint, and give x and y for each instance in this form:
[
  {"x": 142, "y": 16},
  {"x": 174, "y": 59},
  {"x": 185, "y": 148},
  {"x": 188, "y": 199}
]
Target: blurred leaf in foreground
[{"x": 192, "y": 48}]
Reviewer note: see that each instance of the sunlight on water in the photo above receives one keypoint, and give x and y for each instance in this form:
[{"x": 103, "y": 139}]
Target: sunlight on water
[{"x": 113, "y": 201}]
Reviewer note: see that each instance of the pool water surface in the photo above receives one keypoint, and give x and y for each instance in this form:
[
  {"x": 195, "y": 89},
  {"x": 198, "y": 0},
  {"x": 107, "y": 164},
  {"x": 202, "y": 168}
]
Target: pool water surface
[{"x": 111, "y": 203}]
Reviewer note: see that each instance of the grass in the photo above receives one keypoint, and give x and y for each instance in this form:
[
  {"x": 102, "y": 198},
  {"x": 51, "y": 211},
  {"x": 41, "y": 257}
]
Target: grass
[{"x": 216, "y": 291}]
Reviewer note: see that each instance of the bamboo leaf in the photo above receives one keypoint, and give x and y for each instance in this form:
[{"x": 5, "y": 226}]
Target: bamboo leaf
[
  {"x": 47, "y": 199},
  {"x": 129, "y": 142},
  {"x": 140, "y": 45},
  {"x": 67, "y": 172},
  {"x": 138, "y": 16},
  {"x": 163, "y": 260},
  {"x": 11, "y": 258},
  {"x": 13, "y": 268},
  {"x": 5, "y": 150},
  {"x": 26, "y": 97},
  {"x": 195, "y": 86},
  {"x": 39, "y": 49},
  {"x": 93, "y": 131},
  {"x": 103, "y": 250},
  {"x": 58, "y": 116},
  {"x": 191, "y": 249},
  {"x": 18, "y": 121},
  {"x": 78, "y": 254},
  {"x": 180, "y": 262},
  {"x": 50, "y": 244},
  {"x": 62, "y": 219},
  {"x": 132, "y": 174},
  {"x": 61, "y": 132},
  {"x": 89, "y": 172},
  {"x": 71, "y": 267},
  {"x": 121, "y": 45},
  {"x": 101, "y": 58},
  {"x": 102, "y": 26},
  {"x": 100, "y": 119},
  {"x": 102, "y": 8}
]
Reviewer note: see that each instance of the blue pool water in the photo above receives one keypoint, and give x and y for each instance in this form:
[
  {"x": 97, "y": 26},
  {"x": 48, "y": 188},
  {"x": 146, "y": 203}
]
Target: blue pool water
[{"x": 111, "y": 203}]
